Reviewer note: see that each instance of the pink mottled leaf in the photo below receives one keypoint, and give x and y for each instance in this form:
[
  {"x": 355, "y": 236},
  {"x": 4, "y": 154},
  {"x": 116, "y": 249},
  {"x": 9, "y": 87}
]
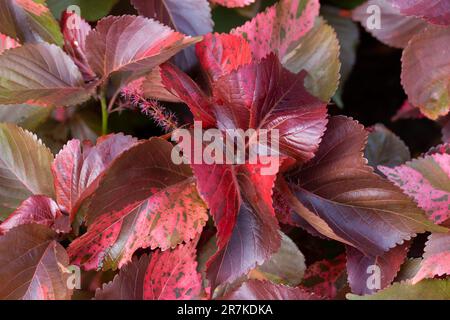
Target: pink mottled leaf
[
  {"x": 33, "y": 265},
  {"x": 128, "y": 47},
  {"x": 265, "y": 290},
  {"x": 277, "y": 28},
  {"x": 78, "y": 166},
  {"x": 7, "y": 43},
  {"x": 143, "y": 200},
  {"x": 40, "y": 210},
  {"x": 425, "y": 70},
  {"x": 168, "y": 275},
  {"x": 436, "y": 259},
  {"x": 233, "y": 3},
  {"x": 359, "y": 268},
  {"x": 397, "y": 29},
  {"x": 434, "y": 11},
  {"x": 427, "y": 180}
]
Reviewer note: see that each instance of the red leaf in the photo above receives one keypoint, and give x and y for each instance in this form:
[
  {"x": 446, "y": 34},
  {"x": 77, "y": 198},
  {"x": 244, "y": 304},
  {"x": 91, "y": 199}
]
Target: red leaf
[
  {"x": 75, "y": 30},
  {"x": 359, "y": 206},
  {"x": 436, "y": 259},
  {"x": 40, "y": 210},
  {"x": 427, "y": 180},
  {"x": 77, "y": 167},
  {"x": 127, "y": 47},
  {"x": 358, "y": 268},
  {"x": 219, "y": 54},
  {"x": 262, "y": 290},
  {"x": 275, "y": 29},
  {"x": 326, "y": 277},
  {"x": 32, "y": 265},
  {"x": 434, "y": 11},
  {"x": 233, "y": 3},
  {"x": 191, "y": 17},
  {"x": 143, "y": 200},
  {"x": 169, "y": 275}
]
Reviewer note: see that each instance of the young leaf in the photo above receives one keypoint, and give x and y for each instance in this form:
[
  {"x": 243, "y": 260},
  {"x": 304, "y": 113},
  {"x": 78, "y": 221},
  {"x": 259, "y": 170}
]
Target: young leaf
[
  {"x": 40, "y": 73},
  {"x": 233, "y": 3},
  {"x": 326, "y": 278},
  {"x": 39, "y": 210},
  {"x": 436, "y": 259},
  {"x": 264, "y": 290},
  {"x": 143, "y": 200},
  {"x": 168, "y": 275},
  {"x": 397, "y": 29},
  {"x": 384, "y": 148},
  {"x": 317, "y": 52},
  {"x": 7, "y": 43},
  {"x": 434, "y": 11},
  {"x": 29, "y": 21},
  {"x": 425, "y": 71},
  {"x": 24, "y": 168},
  {"x": 275, "y": 29},
  {"x": 127, "y": 47},
  {"x": 427, "y": 180},
  {"x": 191, "y": 17},
  {"x": 78, "y": 166},
  {"x": 359, "y": 206},
  {"x": 424, "y": 290},
  {"x": 361, "y": 267},
  {"x": 32, "y": 265}
]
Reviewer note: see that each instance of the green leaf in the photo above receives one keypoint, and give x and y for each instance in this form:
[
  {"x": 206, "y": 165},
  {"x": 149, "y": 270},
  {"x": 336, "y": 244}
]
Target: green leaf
[
  {"x": 424, "y": 290},
  {"x": 24, "y": 168},
  {"x": 90, "y": 10}
]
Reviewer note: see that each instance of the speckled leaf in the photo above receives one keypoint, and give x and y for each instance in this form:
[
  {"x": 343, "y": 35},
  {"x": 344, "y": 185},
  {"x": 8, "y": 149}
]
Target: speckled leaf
[
  {"x": 424, "y": 290},
  {"x": 264, "y": 290},
  {"x": 40, "y": 73},
  {"x": 191, "y": 17},
  {"x": 359, "y": 273},
  {"x": 396, "y": 29},
  {"x": 425, "y": 70},
  {"x": 33, "y": 265},
  {"x": 168, "y": 275},
  {"x": 275, "y": 29},
  {"x": 434, "y": 11},
  {"x": 358, "y": 205},
  {"x": 384, "y": 148},
  {"x": 436, "y": 259},
  {"x": 39, "y": 210},
  {"x": 427, "y": 180},
  {"x": 26, "y": 116},
  {"x": 29, "y": 21},
  {"x": 78, "y": 165},
  {"x": 326, "y": 278},
  {"x": 24, "y": 168},
  {"x": 143, "y": 200},
  {"x": 317, "y": 52},
  {"x": 233, "y": 3},
  {"x": 128, "y": 47}
]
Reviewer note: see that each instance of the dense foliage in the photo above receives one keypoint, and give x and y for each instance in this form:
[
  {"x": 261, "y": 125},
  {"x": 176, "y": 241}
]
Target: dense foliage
[{"x": 347, "y": 214}]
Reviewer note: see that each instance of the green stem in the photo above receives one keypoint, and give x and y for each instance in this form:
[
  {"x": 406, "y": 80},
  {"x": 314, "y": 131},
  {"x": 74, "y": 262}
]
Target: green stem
[{"x": 105, "y": 114}]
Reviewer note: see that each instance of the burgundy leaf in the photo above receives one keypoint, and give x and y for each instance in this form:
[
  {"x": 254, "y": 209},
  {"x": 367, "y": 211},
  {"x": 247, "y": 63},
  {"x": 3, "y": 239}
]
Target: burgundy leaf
[
  {"x": 127, "y": 47},
  {"x": 78, "y": 166},
  {"x": 168, "y": 275},
  {"x": 39, "y": 210},
  {"x": 33, "y": 265},
  {"x": 264, "y": 290},
  {"x": 277, "y": 28},
  {"x": 360, "y": 268},
  {"x": 434, "y": 11},
  {"x": 233, "y": 3},
  {"x": 219, "y": 54},
  {"x": 191, "y": 17},
  {"x": 427, "y": 180},
  {"x": 143, "y": 200},
  {"x": 436, "y": 259},
  {"x": 358, "y": 205}
]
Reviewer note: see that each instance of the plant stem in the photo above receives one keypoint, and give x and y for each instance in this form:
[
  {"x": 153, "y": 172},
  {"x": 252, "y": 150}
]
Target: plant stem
[{"x": 105, "y": 114}]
